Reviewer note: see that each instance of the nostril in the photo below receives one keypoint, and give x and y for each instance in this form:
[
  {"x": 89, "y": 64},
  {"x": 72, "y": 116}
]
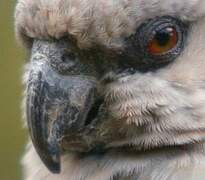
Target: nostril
[{"x": 92, "y": 114}]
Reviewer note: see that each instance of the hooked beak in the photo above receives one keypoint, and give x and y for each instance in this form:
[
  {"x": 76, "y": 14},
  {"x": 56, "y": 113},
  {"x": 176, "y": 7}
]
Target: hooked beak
[{"x": 57, "y": 106}]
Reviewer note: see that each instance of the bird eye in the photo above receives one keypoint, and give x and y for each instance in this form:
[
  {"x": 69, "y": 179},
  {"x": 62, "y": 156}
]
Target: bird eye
[
  {"x": 156, "y": 43},
  {"x": 163, "y": 41}
]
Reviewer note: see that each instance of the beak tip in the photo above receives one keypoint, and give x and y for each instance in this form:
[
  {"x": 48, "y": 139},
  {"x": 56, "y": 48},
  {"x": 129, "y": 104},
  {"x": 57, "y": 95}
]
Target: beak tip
[
  {"x": 53, "y": 163},
  {"x": 54, "y": 159},
  {"x": 55, "y": 168},
  {"x": 50, "y": 156}
]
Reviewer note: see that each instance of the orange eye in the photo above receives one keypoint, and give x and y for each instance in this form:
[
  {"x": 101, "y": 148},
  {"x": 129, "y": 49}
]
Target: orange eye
[{"x": 163, "y": 41}]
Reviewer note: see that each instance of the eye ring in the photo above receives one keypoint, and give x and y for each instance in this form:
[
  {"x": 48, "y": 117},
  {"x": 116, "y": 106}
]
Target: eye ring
[{"x": 147, "y": 32}]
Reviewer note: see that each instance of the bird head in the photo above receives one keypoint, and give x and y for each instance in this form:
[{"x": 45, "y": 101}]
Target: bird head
[{"x": 112, "y": 75}]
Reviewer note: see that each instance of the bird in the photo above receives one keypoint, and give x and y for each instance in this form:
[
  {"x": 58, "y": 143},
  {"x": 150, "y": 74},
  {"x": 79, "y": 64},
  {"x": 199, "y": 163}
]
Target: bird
[{"x": 114, "y": 90}]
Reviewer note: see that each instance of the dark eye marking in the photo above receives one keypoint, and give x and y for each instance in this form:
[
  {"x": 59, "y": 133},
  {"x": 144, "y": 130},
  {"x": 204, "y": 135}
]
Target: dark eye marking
[{"x": 156, "y": 42}]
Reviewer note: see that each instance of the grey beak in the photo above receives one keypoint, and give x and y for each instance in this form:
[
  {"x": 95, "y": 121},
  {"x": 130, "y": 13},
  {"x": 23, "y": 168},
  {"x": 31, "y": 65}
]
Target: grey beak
[{"x": 57, "y": 105}]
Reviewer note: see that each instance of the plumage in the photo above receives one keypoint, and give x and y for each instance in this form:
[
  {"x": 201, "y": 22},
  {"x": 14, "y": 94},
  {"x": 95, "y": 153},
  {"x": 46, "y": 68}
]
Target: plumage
[{"x": 152, "y": 124}]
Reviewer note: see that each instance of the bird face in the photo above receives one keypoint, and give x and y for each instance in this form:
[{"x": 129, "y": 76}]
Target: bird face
[{"x": 113, "y": 75}]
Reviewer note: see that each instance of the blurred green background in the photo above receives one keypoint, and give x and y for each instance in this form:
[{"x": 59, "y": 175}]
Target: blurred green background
[{"x": 12, "y": 135}]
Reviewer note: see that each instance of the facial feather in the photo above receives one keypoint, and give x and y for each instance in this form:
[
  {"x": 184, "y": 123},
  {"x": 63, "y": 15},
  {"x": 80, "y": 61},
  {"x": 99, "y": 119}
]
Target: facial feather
[
  {"x": 144, "y": 111},
  {"x": 96, "y": 22}
]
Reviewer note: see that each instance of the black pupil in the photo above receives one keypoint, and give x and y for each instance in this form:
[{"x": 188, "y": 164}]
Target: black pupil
[{"x": 163, "y": 36}]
